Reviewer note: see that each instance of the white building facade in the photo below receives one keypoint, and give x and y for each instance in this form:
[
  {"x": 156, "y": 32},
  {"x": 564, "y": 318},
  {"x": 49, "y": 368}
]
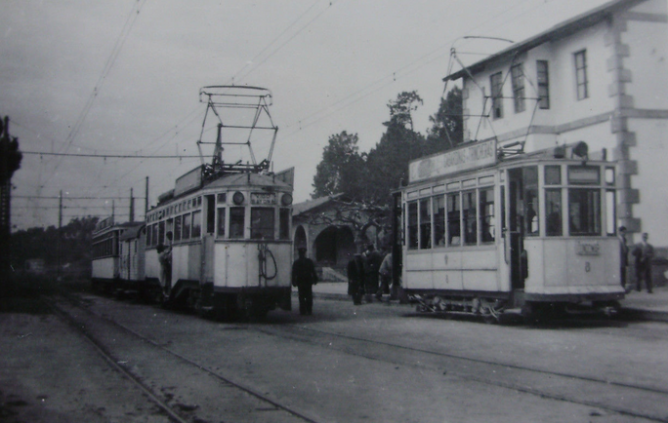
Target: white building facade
[{"x": 602, "y": 78}]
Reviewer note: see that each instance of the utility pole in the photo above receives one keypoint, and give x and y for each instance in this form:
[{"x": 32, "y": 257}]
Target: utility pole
[
  {"x": 132, "y": 206},
  {"x": 60, "y": 226},
  {"x": 146, "y": 200}
]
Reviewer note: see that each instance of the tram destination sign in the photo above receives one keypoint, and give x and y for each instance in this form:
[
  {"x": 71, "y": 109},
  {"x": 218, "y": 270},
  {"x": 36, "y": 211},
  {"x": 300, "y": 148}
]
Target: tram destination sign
[{"x": 465, "y": 158}]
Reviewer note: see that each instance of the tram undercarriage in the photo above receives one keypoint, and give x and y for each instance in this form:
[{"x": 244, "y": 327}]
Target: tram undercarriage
[{"x": 491, "y": 309}]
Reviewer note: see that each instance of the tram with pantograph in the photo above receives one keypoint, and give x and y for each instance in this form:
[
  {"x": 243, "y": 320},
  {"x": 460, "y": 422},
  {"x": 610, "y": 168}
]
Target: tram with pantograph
[
  {"x": 219, "y": 241},
  {"x": 488, "y": 229}
]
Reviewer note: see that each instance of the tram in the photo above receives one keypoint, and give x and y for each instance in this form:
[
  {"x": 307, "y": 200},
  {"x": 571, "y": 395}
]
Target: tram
[
  {"x": 107, "y": 271},
  {"x": 490, "y": 229},
  {"x": 219, "y": 241}
]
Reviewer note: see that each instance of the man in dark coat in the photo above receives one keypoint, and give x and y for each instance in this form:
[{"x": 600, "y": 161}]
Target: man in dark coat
[
  {"x": 623, "y": 254},
  {"x": 304, "y": 277},
  {"x": 644, "y": 253},
  {"x": 356, "y": 278},
  {"x": 372, "y": 265}
]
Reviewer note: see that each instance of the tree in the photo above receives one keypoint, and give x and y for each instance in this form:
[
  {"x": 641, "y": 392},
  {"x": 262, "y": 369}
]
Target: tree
[
  {"x": 341, "y": 169},
  {"x": 401, "y": 109},
  {"x": 447, "y": 130}
]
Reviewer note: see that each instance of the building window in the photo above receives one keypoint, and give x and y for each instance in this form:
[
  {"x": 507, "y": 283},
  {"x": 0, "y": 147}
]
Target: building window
[
  {"x": 581, "y": 74},
  {"x": 517, "y": 74},
  {"x": 497, "y": 95},
  {"x": 543, "y": 78}
]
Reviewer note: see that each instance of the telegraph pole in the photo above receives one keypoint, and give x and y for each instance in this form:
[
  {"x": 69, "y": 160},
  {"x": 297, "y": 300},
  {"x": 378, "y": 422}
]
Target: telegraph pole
[
  {"x": 146, "y": 200},
  {"x": 132, "y": 206}
]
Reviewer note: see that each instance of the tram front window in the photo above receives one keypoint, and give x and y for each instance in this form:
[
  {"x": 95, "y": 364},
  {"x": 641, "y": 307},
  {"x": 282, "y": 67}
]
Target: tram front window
[
  {"x": 553, "y": 212},
  {"x": 221, "y": 221},
  {"x": 454, "y": 228},
  {"x": 236, "y": 222},
  {"x": 262, "y": 223},
  {"x": 412, "y": 225},
  {"x": 425, "y": 224},
  {"x": 584, "y": 211}
]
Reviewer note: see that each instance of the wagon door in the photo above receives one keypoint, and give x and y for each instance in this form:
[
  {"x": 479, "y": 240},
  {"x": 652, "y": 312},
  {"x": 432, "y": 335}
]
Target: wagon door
[
  {"x": 515, "y": 234},
  {"x": 208, "y": 240}
]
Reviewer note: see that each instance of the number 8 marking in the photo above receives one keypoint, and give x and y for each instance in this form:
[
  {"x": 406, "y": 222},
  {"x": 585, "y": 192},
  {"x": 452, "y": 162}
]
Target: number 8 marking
[{"x": 587, "y": 267}]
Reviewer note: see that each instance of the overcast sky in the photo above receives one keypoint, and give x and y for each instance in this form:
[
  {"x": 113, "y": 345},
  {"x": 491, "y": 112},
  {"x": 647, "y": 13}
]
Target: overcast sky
[{"x": 123, "y": 77}]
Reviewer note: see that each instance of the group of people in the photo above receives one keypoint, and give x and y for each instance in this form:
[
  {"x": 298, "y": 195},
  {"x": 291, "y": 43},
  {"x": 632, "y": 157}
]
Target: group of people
[
  {"x": 643, "y": 253},
  {"x": 370, "y": 275}
]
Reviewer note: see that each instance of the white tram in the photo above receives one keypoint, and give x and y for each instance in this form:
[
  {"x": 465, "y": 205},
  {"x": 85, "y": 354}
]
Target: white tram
[
  {"x": 231, "y": 246},
  {"x": 107, "y": 272},
  {"x": 486, "y": 231}
]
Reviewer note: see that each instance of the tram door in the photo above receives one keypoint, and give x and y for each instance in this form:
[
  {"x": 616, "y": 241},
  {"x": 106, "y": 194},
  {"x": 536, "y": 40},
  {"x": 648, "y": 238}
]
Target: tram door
[
  {"x": 515, "y": 233},
  {"x": 208, "y": 244}
]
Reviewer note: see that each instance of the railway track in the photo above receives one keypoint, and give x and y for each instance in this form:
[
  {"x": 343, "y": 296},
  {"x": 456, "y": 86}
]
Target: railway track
[
  {"x": 112, "y": 340},
  {"x": 612, "y": 395}
]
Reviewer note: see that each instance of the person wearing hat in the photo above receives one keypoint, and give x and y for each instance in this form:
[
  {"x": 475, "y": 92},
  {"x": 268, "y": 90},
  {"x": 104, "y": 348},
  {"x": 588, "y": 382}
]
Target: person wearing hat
[
  {"x": 644, "y": 253},
  {"x": 304, "y": 277},
  {"x": 623, "y": 255}
]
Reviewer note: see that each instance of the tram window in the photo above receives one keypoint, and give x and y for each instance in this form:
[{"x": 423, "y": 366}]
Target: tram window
[
  {"x": 610, "y": 213},
  {"x": 177, "y": 228},
  {"x": 412, "y": 225},
  {"x": 425, "y": 223},
  {"x": 236, "y": 222},
  {"x": 222, "y": 198},
  {"x": 610, "y": 175},
  {"x": 584, "y": 211},
  {"x": 155, "y": 234},
  {"x": 284, "y": 222},
  {"x": 454, "y": 229},
  {"x": 553, "y": 175},
  {"x": 553, "y": 212},
  {"x": 469, "y": 217},
  {"x": 149, "y": 234},
  {"x": 196, "y": 231},
  {"x": 531, "y": 211},
  {"x": 487, "y": 227},
  {"x": 439, "y": 221},
  {"x": 262, "y": 223},
  {"x": 186, "y": 226},
  {"x": 221, "y": 221},
  {"x": 161, "y": 232}
]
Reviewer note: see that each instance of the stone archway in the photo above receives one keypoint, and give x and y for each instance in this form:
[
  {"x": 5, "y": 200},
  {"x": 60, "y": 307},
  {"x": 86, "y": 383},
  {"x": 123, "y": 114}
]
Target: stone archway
[{"x": 334, "y": 246}]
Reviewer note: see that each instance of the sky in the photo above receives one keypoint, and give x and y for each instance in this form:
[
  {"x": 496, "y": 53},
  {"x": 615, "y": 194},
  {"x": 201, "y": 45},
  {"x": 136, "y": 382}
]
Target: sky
[{"x": 123, "y": 78}]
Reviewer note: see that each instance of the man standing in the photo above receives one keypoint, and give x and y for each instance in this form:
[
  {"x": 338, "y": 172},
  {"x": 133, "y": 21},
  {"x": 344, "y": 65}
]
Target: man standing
[
  {"x": 304, "y": 277},
  {"x": 623, "y": 254},
  {"x": 356, "y": 278},
  {"x": 644, "y": 253},
  {"x": 372, "y": 264}
]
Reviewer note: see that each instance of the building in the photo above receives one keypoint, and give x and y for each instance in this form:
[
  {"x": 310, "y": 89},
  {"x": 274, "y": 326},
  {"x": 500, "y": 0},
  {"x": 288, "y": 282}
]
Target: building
[{"x": 602, "y": 78}]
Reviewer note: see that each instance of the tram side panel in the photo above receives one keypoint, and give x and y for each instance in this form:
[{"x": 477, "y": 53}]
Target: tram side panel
[
  {"x": 105, "y": 268},
  {"x": 480, "y": 271},
  {"x": 590, "y": 266}
]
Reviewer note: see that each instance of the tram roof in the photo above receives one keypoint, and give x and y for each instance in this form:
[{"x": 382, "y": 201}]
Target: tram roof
[{"x": 132, "y": 232}]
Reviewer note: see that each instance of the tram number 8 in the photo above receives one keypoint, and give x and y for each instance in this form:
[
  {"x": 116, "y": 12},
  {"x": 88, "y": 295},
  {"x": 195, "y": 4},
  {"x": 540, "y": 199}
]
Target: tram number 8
[{"x": 587, "y": 267}]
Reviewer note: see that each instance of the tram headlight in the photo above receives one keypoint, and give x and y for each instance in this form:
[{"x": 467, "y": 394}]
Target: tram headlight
[
  {"x": 286, "y": 200},
  {"x": 238, "y": 198}
]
